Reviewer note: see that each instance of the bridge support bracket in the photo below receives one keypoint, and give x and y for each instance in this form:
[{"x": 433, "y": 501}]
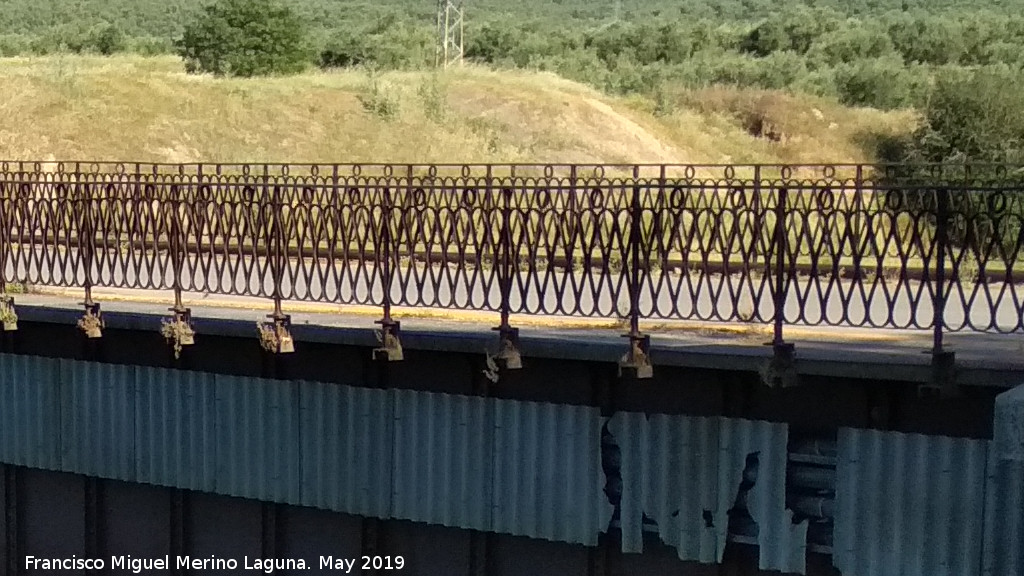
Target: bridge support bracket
[
  {"x": 508, "y": 356},
  {"x": 275, "y": 336},
  {"x": 91, "y": 323},
  {"x": 8, "y": 314},
  {"x": 635, "y": 364},
  {"x": 780, "y": 369},
  {"x": 389, "y": 336},
  {"x": 943, "y": 376},
  {"x": 177, "y": 330}
]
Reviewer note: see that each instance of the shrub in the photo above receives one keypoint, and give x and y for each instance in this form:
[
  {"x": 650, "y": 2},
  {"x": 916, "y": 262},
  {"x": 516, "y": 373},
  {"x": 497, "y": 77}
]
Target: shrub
[
  {"x": 883, "y": 83},
  {"x": 377, "y": 97},
  {"x": 108, "y": 40},
  {"x": 244, "y": 38}
]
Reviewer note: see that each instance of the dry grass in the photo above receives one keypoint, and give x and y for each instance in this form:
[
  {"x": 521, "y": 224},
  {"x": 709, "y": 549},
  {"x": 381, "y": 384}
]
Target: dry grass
[{"x": 147, "y": 109}]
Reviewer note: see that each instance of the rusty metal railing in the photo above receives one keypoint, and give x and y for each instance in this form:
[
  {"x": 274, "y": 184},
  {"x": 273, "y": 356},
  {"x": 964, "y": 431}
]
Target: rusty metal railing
[{"x": 926, "y": 247}]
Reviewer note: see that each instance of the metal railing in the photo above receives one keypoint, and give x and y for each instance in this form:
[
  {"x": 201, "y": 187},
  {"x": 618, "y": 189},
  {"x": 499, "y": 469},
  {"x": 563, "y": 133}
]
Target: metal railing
[{"x": 928, "y": 247}]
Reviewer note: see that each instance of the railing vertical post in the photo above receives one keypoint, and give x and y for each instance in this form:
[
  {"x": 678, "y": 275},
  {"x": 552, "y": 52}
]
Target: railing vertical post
[
  {"x": 938, "y": 293},
  {"x": 943, "y": 360},
  {"x": 857, "y": 236},
  {"x": 91, "y": 322},
  {"x": 177, "y": 246},
  {"x": 391, "y": 347},
  {"x": 756, "y": 224},
  {"x": 780, "y": 252},
  {"x": 781, "y": 367},
  {"x": 10, "y": 322},
  {"x": 636, "y": 363},
  {"x": 508, "y": 357},
  {"x": 277, "y": 255},
  {"x": 87, "y": 241}
]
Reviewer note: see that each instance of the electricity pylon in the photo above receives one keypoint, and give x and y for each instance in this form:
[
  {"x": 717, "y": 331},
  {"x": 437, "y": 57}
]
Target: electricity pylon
[{"x": 449, "y": 33}]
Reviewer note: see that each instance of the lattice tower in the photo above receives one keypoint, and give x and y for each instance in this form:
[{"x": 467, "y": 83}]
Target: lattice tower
[{"x": 449, "y": 33}]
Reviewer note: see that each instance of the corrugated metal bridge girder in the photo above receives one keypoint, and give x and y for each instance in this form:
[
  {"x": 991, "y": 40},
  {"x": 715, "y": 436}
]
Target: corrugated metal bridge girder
[
  {"x": 1004, "y": 507},
  {"x": 346, "y": 449},
  {"x": 174, "y": 423},
  {"x": 257, "y": 436},
  {"x": 442, "y": 453},
  {"x": 98, "y": 426},
  {"x": 687, "y": 474},
  {"x": 909, "y": 505},
  {"x": 548, "y": 480},
  {"x": 30, "y": 418}
]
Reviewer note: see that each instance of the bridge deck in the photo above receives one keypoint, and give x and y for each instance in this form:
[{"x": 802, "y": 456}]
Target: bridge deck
[{"x": 890, "y": 355}]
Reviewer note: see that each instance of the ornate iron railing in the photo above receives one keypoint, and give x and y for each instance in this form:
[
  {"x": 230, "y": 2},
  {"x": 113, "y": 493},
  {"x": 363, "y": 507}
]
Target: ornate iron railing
[{"x": 925, "y": 247}]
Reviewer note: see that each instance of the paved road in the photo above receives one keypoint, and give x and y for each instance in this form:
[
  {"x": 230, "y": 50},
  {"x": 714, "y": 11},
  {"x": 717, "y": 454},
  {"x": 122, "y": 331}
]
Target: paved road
[{"x": 668, "y": 295}]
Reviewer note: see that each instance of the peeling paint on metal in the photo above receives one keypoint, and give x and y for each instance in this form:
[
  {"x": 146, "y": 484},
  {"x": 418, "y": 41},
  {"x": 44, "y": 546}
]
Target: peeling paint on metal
[
  {"x": 782, "y": 544},
  {"x": 346, "y": 448},
  {"x": 98, "y": 419},
  {"x": 30, "y": 411},
  {"x": 443, "y": 451},
  {"x": 174, "y": 428},
  {"x": 258, "y": 439},
  {"x": 685, "y": 473},
  {"x": 909, "y": 505},
  {"x": 548, "y": 481}
]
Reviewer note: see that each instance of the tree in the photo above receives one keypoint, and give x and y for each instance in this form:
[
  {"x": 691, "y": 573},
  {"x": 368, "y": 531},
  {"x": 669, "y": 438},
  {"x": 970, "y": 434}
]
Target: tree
[
  {"x": 109, "y": 40},
  {"x": 244, "y": 38},
  {"x": 974, "y": 116}
]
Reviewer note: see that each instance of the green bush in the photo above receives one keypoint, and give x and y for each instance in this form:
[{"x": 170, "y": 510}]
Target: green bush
[
  {"x": 974, "y": 116},
  {"x": 244, "y": 38},
  {"x": 884, "y": 83},
  {"x": 108, "y": 40},
  {"x": 378, "y": 98}
]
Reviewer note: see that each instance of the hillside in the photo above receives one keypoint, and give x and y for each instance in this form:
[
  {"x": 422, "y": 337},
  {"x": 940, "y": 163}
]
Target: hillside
[
  {"x": 163, "y": 18},
  {"x": 147, "y": 109}
]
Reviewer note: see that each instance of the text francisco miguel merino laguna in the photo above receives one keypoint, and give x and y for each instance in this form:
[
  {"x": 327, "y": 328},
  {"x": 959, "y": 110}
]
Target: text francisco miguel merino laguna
[{"x": 266, "y": 565}]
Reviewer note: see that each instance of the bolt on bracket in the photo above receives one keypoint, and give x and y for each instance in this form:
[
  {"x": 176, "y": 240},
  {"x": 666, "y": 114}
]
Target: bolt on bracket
[
  {"x": 8, "y": 314},
  {"x": 780, "y": 369},
  {"x": 636, "y": 362},
  {"x": 275, "y": 336},
  {"x": 943, "y": 376},
  {"x": 91, "y": 322},
  {"x": 508, "y": 356},
  {"x": 389, "y": 336}
]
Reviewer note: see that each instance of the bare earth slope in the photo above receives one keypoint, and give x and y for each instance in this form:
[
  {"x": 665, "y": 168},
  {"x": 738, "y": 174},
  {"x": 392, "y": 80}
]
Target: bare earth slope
[{"x": 148, "y": 109}]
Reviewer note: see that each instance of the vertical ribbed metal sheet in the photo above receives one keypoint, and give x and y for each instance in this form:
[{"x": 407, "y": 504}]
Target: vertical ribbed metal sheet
[
  {"x": 782, "y": 544},
  {"x": 175, "y": 428},
  {"x": 346, "y": 448},
  {"x": 1004, "y": 509},
  {"x": 685, "y": 474},
  {"x": 548, "y": 480},
  {"x": 909, "y": 505},
  {"x": 30, "y": 411},
  {"x": 98, "y": 419},
  {"x": 442, "y": 459},
  {"x": 257, "y": 435}
]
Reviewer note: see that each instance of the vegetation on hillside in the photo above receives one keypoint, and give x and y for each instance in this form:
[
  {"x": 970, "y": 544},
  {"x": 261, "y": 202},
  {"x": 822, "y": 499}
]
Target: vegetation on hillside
[
  {"x": 148, "y": 109},
  {"x": 941, "y": 57}
]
